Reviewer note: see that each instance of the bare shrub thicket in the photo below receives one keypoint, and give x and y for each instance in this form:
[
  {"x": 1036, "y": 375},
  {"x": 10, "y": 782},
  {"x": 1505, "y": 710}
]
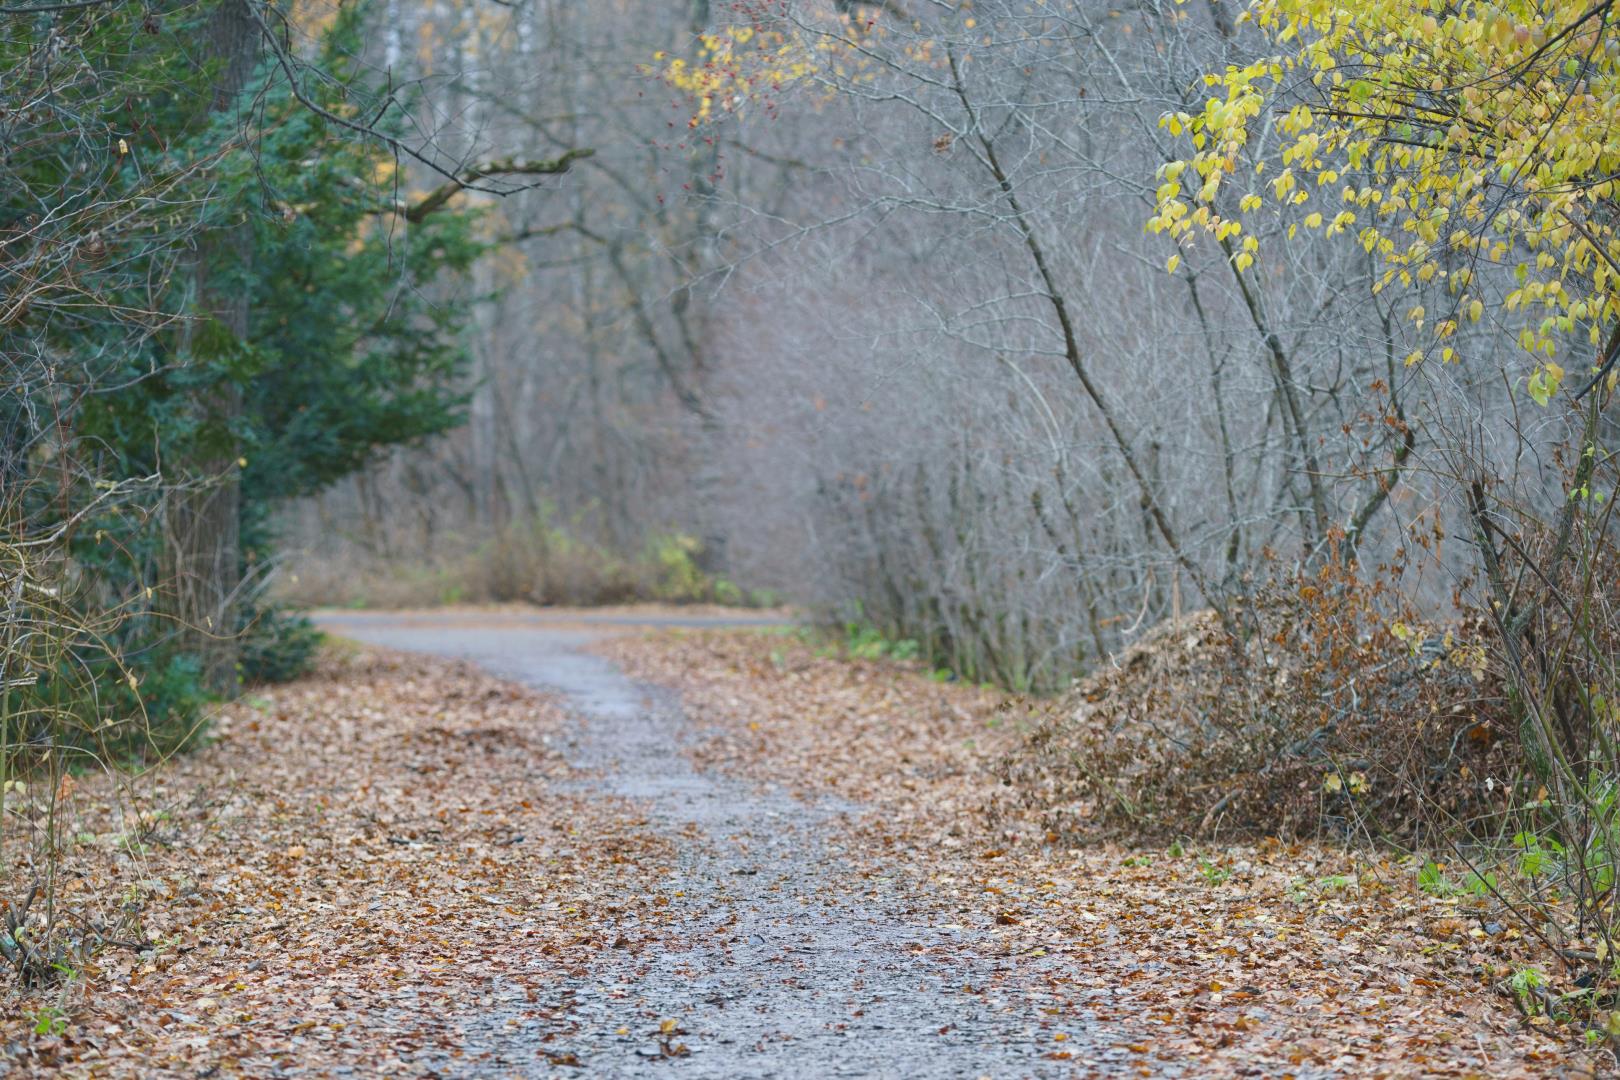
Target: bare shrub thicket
[
  {"x": 68, "y": 706},
  {"x": 1546, "y": 539},
  {"x": 981, "y": 413}
]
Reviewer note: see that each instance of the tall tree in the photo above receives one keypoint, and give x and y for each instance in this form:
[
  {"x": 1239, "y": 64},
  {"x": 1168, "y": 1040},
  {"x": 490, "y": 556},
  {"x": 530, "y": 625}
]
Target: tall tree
[{"x": 204, "y": 513}]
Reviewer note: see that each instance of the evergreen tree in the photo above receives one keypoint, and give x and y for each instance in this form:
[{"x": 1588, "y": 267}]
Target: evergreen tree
[{"x": 147, "y": 196}]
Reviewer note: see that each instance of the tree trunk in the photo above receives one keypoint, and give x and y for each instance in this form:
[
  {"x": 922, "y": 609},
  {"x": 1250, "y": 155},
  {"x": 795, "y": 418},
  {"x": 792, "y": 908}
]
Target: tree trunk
[{"x": 205, "y": 511}]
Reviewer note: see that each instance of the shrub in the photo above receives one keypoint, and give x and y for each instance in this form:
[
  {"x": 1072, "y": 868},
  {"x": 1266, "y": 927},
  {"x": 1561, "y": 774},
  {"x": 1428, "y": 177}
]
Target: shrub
[
  {"x": 278, "y": 646},
  {"x": 1555, "y": 599},
  {"x": 535, "y": 561}
]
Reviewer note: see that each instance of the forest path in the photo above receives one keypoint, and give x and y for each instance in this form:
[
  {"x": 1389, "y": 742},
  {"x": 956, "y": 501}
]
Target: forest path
[{"x": 781, "y": 958}]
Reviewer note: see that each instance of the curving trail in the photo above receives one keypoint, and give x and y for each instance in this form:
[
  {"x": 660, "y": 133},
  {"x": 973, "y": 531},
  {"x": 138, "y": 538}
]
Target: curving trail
[{"x": 777, "y": 959}]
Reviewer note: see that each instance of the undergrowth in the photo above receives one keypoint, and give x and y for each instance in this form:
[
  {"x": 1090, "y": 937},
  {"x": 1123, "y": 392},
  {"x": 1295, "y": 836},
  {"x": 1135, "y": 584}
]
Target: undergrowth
[
  {"x": 1329, "y": 710},
  {"x": 536, "y": 561}
]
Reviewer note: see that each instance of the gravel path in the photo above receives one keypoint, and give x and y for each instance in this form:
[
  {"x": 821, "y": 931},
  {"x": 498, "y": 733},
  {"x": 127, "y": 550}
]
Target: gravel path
[{"x": 778, "y": 959}]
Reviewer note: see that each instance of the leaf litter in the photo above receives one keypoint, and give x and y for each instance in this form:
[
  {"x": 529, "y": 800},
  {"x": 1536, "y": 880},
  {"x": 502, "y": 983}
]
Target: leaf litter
[
  {"x": 362, "y": 868},
  {"x": 369, "y": 865}
]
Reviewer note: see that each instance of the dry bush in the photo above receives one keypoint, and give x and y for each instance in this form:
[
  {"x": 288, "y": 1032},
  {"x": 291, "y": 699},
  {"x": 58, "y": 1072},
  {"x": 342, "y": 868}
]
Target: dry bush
[
  {"x": 1321, "y": 715},
  {"x": 547, "y": 566},
  {"x": 1555, "y": 599},
  {"x": 69, "y": 708},
  {"x": 532, "y": 562},
  {"x": 357, "y": 579}
]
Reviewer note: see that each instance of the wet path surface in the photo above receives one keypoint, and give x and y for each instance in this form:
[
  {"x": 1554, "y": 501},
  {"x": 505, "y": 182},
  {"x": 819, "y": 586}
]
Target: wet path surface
[{"x": 778, "y": 959}]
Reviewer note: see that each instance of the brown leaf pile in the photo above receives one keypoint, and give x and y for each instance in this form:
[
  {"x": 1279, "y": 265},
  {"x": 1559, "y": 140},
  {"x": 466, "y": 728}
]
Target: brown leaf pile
[
  {"x": 1262, "y": 959},
  {"x": 373, "y": 869},
  {"x": 1333, "y": 718}
]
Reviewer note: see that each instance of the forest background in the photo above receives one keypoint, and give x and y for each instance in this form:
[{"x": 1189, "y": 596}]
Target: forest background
[{"x": 995, "y": 333}]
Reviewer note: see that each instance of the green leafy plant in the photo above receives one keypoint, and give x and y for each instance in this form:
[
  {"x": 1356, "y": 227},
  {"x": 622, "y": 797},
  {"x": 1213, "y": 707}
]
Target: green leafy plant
[
  {"x": 1335, "y": 884},
  {"x": 1529, "y": 988},
  {"x": 866, "y": 642},
  {"x": 1432, "y": 880},
  {"x": 50, "y": 1020}
]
